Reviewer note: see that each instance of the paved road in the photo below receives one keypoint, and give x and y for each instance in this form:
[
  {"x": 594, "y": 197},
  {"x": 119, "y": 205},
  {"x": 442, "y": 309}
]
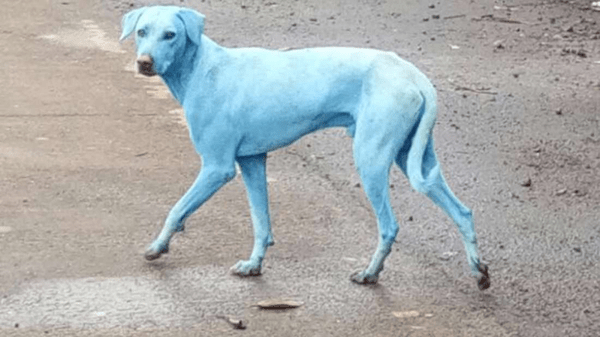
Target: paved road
[{"x": 92, "y": 158}]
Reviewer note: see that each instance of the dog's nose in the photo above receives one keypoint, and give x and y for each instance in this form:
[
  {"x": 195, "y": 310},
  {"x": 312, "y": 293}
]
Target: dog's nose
[
  {"x": 144, "y": 60},
  {"x": 145, "y": 64}
]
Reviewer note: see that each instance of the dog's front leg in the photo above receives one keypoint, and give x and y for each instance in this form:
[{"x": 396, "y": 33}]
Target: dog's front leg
[
  {"x": 255, "y": 179},
  {"x": 210, "y": 179}
]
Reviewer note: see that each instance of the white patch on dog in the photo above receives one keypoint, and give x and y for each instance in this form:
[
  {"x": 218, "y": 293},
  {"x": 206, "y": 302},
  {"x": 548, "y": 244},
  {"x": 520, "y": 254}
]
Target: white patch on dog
[{"x": 88, "y": 36}]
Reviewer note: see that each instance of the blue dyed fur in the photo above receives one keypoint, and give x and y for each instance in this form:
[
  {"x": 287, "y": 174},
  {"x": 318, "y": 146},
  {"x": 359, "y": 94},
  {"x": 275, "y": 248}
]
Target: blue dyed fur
[{"x": 242, "y": 103}]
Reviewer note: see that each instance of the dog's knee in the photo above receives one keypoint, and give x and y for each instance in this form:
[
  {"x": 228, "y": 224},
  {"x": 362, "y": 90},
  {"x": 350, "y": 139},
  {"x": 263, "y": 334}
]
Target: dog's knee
[
  {"x": 220, "y": 174},
  {"x": 420, "y": 186}
]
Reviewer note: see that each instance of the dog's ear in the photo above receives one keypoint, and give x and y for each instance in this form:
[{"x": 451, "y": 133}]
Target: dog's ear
[
  {"x": 130, "y": 21},
  {"x": 193, "y": 22}
]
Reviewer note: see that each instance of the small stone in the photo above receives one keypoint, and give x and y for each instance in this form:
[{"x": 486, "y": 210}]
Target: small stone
[
  {"x": 447, "y": 256},
  {"x": 405, "y": 314},
  {"x": 526, "y": 183}
]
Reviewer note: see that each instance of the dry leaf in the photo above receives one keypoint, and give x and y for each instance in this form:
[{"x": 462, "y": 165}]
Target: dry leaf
[
  {"x": 235, "y": 323},
  {"x": 278, "y": 304}
]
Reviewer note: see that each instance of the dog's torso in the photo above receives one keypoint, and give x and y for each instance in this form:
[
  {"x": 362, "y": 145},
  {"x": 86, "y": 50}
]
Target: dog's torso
[{"x": 300, "y": 91}]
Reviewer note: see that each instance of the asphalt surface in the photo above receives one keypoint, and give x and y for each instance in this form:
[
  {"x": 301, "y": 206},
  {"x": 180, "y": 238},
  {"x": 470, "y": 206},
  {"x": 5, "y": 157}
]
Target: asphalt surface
[{"x": 92, "y": 158}]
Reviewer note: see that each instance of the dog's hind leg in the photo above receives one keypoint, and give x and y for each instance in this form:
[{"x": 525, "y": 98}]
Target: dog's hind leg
[
  {"x": 373, "y": 156},
  {"x": 210, "y": 179},
  {"x": 255, "y": 179},
  {"x": 383, "y": 124},
  {"x": 374, "y": 174},
  {"x": 436, "y": 188}
]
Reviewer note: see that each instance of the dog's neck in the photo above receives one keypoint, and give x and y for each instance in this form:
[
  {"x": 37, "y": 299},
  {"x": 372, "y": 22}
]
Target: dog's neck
[{"x": 182, "y": 69}]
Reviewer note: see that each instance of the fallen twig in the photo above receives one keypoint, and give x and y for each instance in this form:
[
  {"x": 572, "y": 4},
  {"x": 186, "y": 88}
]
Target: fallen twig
[
  {"x": 454, "y": 16},
  {"x": 491, "y": 17},
  {"x": 479, "y": 91},
  {"x": 278, "y": 304}
]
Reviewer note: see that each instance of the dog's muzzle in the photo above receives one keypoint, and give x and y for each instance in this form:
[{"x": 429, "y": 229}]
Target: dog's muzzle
[{"x": 145, "y": 65}]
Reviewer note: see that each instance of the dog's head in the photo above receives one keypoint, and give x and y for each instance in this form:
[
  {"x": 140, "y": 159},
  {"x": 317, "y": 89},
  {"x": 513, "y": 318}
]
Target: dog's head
[{"x": 162, "y": 35}]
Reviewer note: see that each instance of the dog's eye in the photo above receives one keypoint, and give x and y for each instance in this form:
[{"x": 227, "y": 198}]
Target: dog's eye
[
  {"x": 141, "y": 33},
  {"x": 169, "y": 35}
]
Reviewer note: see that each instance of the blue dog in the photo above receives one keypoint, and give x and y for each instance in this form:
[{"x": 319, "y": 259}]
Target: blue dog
[{"x": 242, "y": 103}]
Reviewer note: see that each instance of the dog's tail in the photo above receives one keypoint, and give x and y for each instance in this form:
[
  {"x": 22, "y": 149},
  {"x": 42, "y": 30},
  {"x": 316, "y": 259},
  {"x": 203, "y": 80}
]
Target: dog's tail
[{"x": 421, "y": 164}]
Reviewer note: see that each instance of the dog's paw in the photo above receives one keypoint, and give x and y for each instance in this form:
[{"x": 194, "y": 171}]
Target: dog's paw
[
  {"x": 245, "y": 268},
  {"x": 362, "y": 277},
  {"x": 154, "y": 253},
  {"x": 483, "y": 282}
]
